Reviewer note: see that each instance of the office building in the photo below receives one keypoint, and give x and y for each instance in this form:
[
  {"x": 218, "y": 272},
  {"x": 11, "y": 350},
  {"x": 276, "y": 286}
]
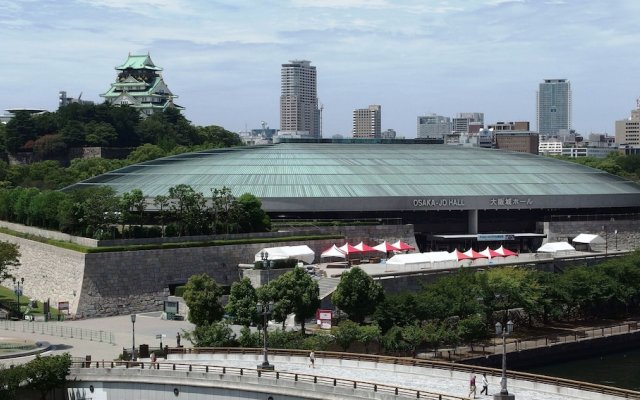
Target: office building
[
  {"x": 140, "y": 85},
  {"x": 299, "y": 112},
  {"x": 388, "y": 134},
  {"x": 468, "y": 122},
  {"x": 366, "y": 122},
  {"x": 510, "y": 126},
  {"x": 433, "y": 126},
  {"x": 628, "y": 130},
  {"x": 553, "y": 107},
  {"x": 518, "y": 141}
]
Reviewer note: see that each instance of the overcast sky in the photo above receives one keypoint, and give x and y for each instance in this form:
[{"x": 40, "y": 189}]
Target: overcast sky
[{"x": 223, "y": 57}]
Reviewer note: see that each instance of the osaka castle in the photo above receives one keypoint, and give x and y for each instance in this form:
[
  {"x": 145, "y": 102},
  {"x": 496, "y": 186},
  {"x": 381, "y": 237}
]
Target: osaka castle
[{"x": 140, "y": 85}]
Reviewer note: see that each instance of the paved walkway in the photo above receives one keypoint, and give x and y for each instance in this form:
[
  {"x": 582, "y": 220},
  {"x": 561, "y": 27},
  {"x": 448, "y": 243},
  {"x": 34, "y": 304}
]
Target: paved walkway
[
  {"x": 423, "y": 379},
  {"x": 147, "y": 326}
]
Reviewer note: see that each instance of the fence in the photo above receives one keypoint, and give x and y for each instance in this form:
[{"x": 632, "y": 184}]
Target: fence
[
  {"x": 442, "y": 365},
  {"x": 277, "y": 375},
  {"x": 54, "y": 329}
]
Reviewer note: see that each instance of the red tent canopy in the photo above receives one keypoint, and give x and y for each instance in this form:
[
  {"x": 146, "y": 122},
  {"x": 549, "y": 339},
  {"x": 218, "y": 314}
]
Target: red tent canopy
[
  {"x": 400, "y": 245},
  {"x": 364, "y": 248},
  {"x": 505, "y": 252},
  {"x": 385, "y": 247},
  {"x": 461, "y": 256},
  {"x": 349, "y": 249},
  {"x": 474, "y": 254},
  {"x": 491, "y": 253}
]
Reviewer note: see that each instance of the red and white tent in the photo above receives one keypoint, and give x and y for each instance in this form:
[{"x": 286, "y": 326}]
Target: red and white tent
[
  {"x": 349, "y": 249},
  {"x": 474, "y": 254},
  {"x": 460, "y": 255},
  {"x": 505, "y": 252},
  {"x": 364, "y": 248},
  {"x": 385, "y": 247},
  {"x": 400, "y": 245},
  {"x": 491, "y": 253},
  {"x": 333, "y": 251}
]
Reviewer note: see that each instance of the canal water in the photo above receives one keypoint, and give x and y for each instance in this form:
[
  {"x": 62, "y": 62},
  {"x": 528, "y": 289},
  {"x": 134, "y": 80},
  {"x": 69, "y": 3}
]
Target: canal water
[{"x": 616, "y": 369}]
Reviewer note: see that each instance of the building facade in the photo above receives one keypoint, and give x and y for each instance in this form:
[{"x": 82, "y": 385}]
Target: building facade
[
  {"x": 433, "y": 126},
  {"x": 628, "y": 130},
  {"x": 367, "y": 122},
  {"x": 510, "y": 126},
  {"x": 470, "y": 122},
  {"x": 299, "y": 112},
  {"x": 518, "y": 141},
  {"x": 139, "y": 84},
  {"x": 553, "y": 107}
]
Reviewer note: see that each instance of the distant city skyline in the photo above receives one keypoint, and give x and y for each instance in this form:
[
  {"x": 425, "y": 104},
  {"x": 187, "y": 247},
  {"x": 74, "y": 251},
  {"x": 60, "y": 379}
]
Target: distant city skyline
[{"x": 413, "y": 58}]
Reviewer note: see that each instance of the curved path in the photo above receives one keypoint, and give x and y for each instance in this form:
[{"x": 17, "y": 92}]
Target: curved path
[{"x": 438, "y": 377}]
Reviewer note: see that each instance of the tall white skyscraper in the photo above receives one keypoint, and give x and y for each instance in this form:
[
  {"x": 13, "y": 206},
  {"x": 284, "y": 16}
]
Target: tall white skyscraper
[
  {"x": 553, "y": 107},
  {"x": 367, "y": 122},
  {"x": 299, "y": 113}
]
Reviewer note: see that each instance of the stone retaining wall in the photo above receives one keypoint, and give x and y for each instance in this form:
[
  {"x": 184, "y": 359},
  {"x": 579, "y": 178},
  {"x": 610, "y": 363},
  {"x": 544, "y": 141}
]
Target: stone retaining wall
[
  {"x": 113, "y": 283},
  {"x": 627, "y": 236}
]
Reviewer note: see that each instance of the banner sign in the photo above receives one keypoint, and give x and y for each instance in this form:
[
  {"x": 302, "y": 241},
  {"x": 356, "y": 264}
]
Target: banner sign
[{"x": 495, "y": 237}]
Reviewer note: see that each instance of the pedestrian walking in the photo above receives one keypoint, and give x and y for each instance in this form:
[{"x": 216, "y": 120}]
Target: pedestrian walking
[
  {"x": 485, "y": 384},
  {"x": 178, "y": 339},
  {"x": 472, "y": 387},
  {"x": 312, "y": 359}
]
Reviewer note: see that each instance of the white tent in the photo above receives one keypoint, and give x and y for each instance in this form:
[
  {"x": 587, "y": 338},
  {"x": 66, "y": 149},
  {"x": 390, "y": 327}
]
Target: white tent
[
  {"x": 589, "y": 242},
  {"x": 555, "y": 247},
  {"x": 302, "y": 253},
  {"x": 430, "y": 260},
  {"x": 588, "y": 239},
  {"x": 333, "y": 251}
]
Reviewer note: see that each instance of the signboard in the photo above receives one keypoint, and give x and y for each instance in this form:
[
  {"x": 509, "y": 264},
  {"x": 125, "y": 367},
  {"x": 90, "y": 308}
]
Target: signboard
[
  {"x": 63, "y": 306},
  {"x": 323, "y": 318},
  {"x": 171, "y": 307},
  {"x": 495, "y": 237}
]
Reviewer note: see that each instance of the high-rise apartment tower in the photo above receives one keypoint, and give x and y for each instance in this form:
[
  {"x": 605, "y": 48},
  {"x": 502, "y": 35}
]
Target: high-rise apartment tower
[
  {"x": 553, "y": 107},
  {"x": 366, "y": 122},
  {"x": 299, "y": 113}
]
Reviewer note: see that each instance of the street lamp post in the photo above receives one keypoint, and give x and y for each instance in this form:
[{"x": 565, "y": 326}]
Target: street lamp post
[
  {"x": 504, "y": 331},
  {"x": 615, "y": 234},
  {"x": 265, "y": 263},
  {"x": 133, "y": 337},
  {"x": 265, "y": 309},
  {"x": 606, "y": 240},
  {"x": 18, "y": 290}
]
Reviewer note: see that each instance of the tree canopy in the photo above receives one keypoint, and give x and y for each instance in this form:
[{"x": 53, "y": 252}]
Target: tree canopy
[
  {"x": 357, "y": 294},
  {"x": 202, "y": 296}
]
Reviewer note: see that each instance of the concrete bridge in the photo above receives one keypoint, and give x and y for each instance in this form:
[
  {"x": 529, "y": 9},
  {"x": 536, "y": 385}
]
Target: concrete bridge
[{"x": 198, "y": 373}]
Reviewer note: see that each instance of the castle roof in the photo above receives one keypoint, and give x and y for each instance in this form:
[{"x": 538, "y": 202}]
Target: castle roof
[{"x": 138, "y": 62}]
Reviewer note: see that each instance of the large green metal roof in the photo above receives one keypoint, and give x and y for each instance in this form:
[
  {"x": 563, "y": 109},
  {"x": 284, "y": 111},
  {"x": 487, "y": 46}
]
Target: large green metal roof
[
  {"x": 139, "y": 62},
  {"x": 294, "y": 172}
]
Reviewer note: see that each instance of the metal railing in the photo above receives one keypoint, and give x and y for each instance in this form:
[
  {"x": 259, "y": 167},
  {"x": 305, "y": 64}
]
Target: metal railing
[
  {"x": 55, "y": 329},
  {"x": 277, "y": 375},
  {"x": 442, "y": 365}
]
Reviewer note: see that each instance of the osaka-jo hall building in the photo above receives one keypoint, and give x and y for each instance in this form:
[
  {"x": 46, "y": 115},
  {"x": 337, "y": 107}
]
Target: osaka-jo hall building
[{"x": 452, "y": 195}]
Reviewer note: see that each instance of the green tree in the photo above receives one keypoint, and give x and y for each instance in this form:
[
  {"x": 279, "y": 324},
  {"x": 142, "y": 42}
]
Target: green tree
[
  {"x": 9, "y": 258},
  {"x": 20, "y": 129},
  {"x": 242, "y": 303},
  {"x": 188, "y": 207},
  {"x": 397, "y": 310},
  {"x": 162, "y": 203},
  {"x": 413, "y": 335},
  {"x": 252, "y": 217},
  {"x": 45, "y": 374},
  {"x": 357, "y": 294},
  {"x": 146, "y": 152},
  {"x": 99, "y": 211},
  {"x": 44, "y": 207},
  {"x": 217, "y": 136},
  {"x": 100, "y": 134},
  {"x": 296, "y": 292},
  {"x": 202, "y": 296},
  {"x": 49, "y": 146},
  {"x": 214, "y": 334},
  {"x": 74, "y": 133},
  {"x": 346, "y": 333},
  {"x": 10, "y": 380},
  {"x": 369, "y": 334}
]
